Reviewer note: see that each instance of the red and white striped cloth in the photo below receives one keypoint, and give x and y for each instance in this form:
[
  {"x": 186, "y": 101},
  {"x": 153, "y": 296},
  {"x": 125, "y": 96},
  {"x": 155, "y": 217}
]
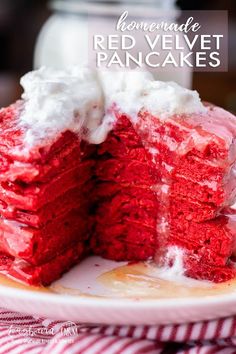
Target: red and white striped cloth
[{"x": 27, "y": 334}]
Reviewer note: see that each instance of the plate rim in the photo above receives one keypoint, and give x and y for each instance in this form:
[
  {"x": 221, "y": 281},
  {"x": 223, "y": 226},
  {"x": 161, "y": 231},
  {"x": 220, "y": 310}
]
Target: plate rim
[{"x": 105, "y": 301}]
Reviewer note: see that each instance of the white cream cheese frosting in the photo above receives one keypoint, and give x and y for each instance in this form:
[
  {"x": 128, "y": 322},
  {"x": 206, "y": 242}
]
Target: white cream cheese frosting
[
  {"x": 57, "y": 100},
  {"x": 80, "y": 100},
  {"x": 134, "y": 90}
]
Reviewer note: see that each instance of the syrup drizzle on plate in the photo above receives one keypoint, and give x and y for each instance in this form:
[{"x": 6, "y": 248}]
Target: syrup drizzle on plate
[
  {"x": 136, "y": 280},
  {"x": 145, "y": 281}
]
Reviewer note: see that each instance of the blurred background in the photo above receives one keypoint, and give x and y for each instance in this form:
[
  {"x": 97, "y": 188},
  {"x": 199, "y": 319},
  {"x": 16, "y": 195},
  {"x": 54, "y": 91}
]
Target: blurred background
[{"x": 21, "y": 21}]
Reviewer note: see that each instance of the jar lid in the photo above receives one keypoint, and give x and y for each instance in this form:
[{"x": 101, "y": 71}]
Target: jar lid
[{"x": 115, "y": 7}]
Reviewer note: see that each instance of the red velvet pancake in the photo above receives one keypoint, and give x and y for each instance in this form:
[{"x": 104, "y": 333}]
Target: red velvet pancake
[
  {"x": 151, "y": 185},
  {"x": 43, "y": 201},
  {"x": 45, "y": 273}
]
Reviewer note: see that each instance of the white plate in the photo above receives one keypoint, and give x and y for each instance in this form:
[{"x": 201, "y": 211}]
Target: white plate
[{"x": 101, "y": 291}]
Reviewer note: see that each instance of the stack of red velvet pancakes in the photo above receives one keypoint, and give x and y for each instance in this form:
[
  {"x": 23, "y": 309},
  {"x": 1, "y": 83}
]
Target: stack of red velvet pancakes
[
  {"x": 195, "y": 156},
  {"x": 44, "y": 212},
  {"x": 153, "y": 185},
  {"x": 127, "y": 207}
]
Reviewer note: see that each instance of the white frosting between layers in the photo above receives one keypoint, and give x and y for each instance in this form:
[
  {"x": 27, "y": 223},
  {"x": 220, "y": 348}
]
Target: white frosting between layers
[{"x": 76, "y": 99}]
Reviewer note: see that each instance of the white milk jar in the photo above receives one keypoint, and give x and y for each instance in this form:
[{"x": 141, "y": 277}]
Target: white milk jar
[{"x": 64, "y": 38}]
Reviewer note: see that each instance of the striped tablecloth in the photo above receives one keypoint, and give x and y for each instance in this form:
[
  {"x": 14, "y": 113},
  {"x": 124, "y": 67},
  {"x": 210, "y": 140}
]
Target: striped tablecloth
[{"x": 26, "y": 334}]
